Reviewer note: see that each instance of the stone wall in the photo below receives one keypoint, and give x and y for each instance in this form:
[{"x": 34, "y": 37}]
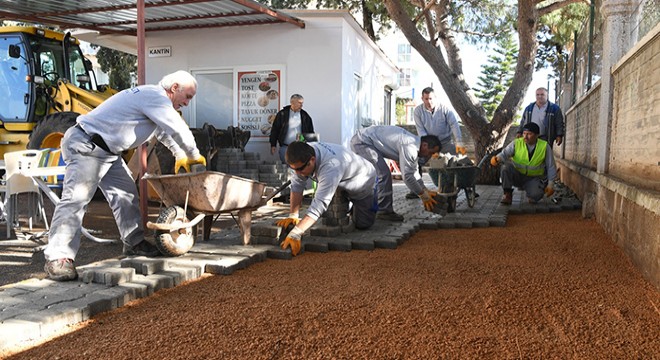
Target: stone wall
[
  {"x": 625, "y": 198},
  {"x": 580, "y": 144},
  {"x": 634, "y": 153}
]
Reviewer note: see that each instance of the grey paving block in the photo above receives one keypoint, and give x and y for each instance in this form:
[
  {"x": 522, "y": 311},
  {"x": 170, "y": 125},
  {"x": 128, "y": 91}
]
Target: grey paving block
[
  {"x": 428, "y": 225},
  {"x": 480, "y": 222},
  {"x": 316, "y": 245},
  {"x": 327, "y": 231},
  {"x": 464, "y": 223},
  {"x": 154, "y": 282},
  {"x": 278, "y": 253},
  {"x": 139, "y": 290},
  {"x": 226, "y": 264},
  {"x": 362, "y": 244},
  {"x": 108, "y": 276},
  {"x": 144, "y": 266},
  {"x": 447, "y": 224},
  {"x": 497, "y": 221},
  {"x": 387, "y": 242},
  {"x": 339, "y": 245}
]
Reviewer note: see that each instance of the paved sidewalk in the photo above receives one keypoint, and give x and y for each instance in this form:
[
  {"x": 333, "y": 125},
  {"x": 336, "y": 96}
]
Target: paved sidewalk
[{"x": 35, "y": 309}]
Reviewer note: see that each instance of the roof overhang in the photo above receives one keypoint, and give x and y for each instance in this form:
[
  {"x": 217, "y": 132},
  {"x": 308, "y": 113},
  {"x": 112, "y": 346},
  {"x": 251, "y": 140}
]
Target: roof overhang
[{"x": 120, "y": 17}]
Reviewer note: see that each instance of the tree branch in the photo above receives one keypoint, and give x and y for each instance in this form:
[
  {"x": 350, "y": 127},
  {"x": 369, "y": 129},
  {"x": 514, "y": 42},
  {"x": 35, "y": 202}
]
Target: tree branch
[{"x": 558, "y": 5}]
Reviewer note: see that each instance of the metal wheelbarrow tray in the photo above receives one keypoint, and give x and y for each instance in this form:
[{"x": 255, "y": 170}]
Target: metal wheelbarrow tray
[{"x": 202, "y": 194}]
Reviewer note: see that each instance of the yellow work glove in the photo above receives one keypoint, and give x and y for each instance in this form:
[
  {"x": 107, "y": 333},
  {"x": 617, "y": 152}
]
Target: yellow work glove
[
  {"x": 549, "y": 190},
  {"x": 428, "y": 200},
  {"x": 185, "y": 163},
  {"x": 495, "y": 161},
  {"x": 181, "y": 163},
  {"x": 201, "y": 160},
  {"x": 293, "y": 240},
  {"x": 291, "y": 220},
  {"x": 461, "y": 150}
]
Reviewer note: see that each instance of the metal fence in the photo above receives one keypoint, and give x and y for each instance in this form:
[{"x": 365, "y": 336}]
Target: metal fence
[{"x": 584, "y": 65}]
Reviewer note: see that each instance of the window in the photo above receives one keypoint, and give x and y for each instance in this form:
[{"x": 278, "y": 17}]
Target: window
[
  {"x": 404, "y": 53},
  {"x": 404, "y": 77},
  {"x": 213, "y": 103},
  {"x": 13, "y": 87}
]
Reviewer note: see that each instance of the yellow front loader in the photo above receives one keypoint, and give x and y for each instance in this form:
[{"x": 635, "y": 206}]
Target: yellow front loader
[{"x": 45, "y": 83}]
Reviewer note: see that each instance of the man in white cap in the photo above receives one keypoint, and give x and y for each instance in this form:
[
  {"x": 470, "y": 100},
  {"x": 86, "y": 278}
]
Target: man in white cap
[
  {"x": 527, "y": 163},
  {"x": 92, "y": 151}
]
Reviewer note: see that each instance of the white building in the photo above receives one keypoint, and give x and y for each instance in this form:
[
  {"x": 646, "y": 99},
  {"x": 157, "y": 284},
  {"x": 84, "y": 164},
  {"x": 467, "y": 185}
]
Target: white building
[
  {"x": 245, "y": 74},
  {"x": 415, "y": 75}
]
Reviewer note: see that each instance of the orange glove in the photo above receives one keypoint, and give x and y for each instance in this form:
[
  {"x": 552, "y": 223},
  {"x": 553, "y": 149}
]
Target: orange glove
[
  {"x": 495, "y": 161},
  {"x": 291, "y": 220},
  {"x": 428, "y": 200},
  {"x": 293, "y": 240},
  {"x": 549, "y": 190},
  {"x": 461, "y": 150}
]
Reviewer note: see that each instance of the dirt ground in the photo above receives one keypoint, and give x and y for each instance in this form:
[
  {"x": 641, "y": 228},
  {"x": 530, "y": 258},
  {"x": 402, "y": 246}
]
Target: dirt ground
[{"x": 565, "y": 293}]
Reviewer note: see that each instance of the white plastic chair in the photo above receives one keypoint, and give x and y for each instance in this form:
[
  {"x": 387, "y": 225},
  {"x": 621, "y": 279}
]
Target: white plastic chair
[{"x": 18, "y": 184}]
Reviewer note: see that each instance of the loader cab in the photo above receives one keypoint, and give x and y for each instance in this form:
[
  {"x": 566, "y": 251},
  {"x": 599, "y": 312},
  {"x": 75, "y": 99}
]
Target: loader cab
[{"x": 32, "y": 61}]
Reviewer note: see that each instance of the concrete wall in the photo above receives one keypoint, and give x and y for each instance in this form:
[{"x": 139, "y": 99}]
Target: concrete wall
[{"x": 625, "y": 198}]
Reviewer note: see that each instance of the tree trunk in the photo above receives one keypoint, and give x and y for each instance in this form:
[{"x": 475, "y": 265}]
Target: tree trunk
[{"x": 488, "y": 136}]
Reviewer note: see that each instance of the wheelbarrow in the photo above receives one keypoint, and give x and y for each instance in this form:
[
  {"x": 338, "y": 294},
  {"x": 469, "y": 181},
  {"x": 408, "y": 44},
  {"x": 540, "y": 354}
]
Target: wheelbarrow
[
  {"x": 203, "y": 194},
  {"x": 457, "y": 178}
]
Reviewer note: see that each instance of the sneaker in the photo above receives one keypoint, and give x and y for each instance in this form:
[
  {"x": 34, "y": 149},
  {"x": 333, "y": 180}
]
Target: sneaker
[
  {"x": 411, "y": 195},
  {"x": 143, "y": 248},
  {"x": 61, "y": 270},
  {"x": 390, "y": 216},
  {"x": 507, "y": 198}
]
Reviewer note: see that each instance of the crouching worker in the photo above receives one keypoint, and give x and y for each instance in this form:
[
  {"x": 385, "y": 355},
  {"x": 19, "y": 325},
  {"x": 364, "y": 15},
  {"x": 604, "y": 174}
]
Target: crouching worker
[
  {"x": 531, "y": 166},
  {"x": 92, "y": 151},
  {"x": 377, "y": 143},
  {"x": 332, "y": 166}
]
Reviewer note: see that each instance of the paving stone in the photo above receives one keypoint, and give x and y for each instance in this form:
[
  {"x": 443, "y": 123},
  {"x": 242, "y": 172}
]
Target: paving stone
[
  {"x": 387, "y": 242},
  {"x": 144, "y": 266},
  {"x": 316, "y": 245},
  {"x": 363, "y": 244},
  {"x": 339, "y": 245}
]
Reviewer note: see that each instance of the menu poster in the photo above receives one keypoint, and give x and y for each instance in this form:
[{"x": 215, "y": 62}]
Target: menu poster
[{"x": 258, "y": 101}]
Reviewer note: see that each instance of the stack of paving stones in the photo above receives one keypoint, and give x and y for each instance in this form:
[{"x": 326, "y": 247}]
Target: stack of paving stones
[
  {"x": 250, "y": 166},
  {"x": 35, "y": 309}
]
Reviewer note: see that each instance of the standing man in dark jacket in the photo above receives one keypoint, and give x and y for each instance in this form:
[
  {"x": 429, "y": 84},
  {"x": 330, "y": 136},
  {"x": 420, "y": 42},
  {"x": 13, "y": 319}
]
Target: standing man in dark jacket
[
  {"x": 289, "y": 122},
  {"x": 547, "y": 116}
]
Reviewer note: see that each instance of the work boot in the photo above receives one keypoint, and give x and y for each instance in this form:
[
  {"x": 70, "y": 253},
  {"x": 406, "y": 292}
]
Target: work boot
[
  {"x": 507, "y": 198},
  {"x": 143, "y": 248},
  {"x": 61, "y": 270},
  {"x": 389, "y": 216},
  {"x": 412, "y": 195}
]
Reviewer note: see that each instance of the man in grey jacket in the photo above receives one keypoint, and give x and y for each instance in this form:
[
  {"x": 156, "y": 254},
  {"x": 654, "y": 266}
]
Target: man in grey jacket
[
  {"x": 92, "y": 152},
  {"x": 377, "y": 143},
  {"x": 332, "y": 167}
]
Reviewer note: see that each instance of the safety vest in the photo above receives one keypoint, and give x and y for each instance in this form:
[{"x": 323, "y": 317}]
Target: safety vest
[{"x": 526, "y": 166}]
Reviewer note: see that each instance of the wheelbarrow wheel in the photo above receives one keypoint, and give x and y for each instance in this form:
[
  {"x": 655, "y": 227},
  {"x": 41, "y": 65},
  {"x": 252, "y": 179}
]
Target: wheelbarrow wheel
[
  {"x": 471, "y": 195},
  {"x": 174, "y": 243}
]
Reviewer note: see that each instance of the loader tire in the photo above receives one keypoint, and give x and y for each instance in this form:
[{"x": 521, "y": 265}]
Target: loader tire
[
  {"x": 174, "y": 243},
  {"x": 48, "y": 132}
]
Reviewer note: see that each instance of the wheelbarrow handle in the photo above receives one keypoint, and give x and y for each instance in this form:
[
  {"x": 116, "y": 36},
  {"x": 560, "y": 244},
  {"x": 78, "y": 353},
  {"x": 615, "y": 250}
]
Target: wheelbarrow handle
[{"x": 277, "y": 191}]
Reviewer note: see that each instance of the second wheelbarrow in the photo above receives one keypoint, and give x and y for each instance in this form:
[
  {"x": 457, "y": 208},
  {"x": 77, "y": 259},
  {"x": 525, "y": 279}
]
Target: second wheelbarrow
[{"x": 203, "y": 194}]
